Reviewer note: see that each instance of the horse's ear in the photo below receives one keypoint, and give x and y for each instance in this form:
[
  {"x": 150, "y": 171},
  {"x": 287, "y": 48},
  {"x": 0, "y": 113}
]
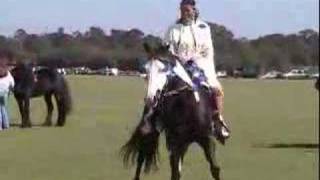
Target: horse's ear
[
  {"x": 147, "y": 47},
  {"x": 164, "y": 48}
]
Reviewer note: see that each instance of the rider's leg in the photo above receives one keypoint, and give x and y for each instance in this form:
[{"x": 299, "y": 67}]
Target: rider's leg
[
  {"x": 218, "y": 98},
  {"x": 220, "y": 128}
]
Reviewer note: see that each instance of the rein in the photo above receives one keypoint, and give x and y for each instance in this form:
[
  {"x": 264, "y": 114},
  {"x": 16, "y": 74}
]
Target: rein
[{"x": 176, "y": 91}]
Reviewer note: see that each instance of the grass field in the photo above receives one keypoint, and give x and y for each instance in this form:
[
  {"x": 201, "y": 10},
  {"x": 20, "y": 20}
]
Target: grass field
[{"x": 274, "y": 134}]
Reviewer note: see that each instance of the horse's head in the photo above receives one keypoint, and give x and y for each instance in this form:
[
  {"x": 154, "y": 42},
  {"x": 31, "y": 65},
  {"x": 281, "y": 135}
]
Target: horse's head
[
  {"x": 156, "y": 71},
  {"x": 22, "y": 72},
  {"x": 161, "y": 60}
]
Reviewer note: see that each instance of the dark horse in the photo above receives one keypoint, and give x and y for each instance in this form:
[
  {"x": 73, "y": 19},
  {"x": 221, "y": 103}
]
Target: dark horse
[
  {"x": 45, "y": 82},
  {"x": 184, "y": 121},
  {"x": 317, "y": 84}
]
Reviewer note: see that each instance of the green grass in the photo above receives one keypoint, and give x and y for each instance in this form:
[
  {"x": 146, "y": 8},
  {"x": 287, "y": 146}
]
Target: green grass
[{"x": 262, "y": 113}]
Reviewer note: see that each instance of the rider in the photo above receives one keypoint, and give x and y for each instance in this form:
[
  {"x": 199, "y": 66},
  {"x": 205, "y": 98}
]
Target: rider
[{"x": 190, "y": 39}]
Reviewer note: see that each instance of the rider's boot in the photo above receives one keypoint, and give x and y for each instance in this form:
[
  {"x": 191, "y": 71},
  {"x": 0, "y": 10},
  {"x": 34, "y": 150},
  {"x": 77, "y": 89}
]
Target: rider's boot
[{"x": 219, "y": 127}]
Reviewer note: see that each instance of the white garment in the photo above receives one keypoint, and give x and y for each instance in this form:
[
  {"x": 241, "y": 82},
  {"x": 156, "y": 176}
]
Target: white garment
[
  {"x": 6, "y": 84},
  {"x": 194, "y": 42}
]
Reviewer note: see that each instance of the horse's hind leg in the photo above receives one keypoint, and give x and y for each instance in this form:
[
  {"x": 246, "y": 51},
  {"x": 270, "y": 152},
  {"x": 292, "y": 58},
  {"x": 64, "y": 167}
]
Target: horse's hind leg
[
  {"x": 209, "y": 151},
  {"x": 176, "y": 158},
  {"x": 48, "y": 100},
  {"x": 61, "y": 111},
  {"x": 21, "y": 110},
  {"x": 140, "y": 160},
  {"x": 26, "y": 113}
]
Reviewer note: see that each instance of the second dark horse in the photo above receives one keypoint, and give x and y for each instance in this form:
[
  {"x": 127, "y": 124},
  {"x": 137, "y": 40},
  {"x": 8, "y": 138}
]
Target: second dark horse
[{"x": 45, "y": 82}]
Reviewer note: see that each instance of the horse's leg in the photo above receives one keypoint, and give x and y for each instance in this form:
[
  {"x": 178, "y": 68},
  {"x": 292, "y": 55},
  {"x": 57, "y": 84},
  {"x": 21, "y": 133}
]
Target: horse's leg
[
  {"x": 61, "y": 111},
  {"x": 175, "y": 163},
  {"x": 209, "y": 151},
  {"x": 181, "y": 160},
  {"x": 49, "y": 103},
  {"x": 21, "y": 110},
  {"x": 140, "y": 160},
  {"x": 26, "y": 112}
]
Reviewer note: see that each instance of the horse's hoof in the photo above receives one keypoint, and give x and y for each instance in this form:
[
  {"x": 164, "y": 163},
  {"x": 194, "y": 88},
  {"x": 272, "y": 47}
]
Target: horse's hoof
[
  {"x": 26, "y": 126},
  {"x": 46, "y": 124},
  {"x": 59, "y": 125}
]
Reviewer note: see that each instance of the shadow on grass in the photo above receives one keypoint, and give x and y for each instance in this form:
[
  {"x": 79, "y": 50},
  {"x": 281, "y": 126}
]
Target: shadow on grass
[
  {"x": 289, "y": 146},
  {"x": 19, "y": 125}
]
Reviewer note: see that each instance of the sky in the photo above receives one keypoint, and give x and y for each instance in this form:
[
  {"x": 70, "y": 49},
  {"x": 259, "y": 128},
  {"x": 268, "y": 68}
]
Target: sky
[{"x": 245, "y": 18}]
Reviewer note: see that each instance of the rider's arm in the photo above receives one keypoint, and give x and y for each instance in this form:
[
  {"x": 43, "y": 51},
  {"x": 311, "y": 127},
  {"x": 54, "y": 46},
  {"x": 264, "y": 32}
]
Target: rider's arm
[
  {"x": 169, "y": 40},
  {"x": 208, "y": 44},
  {"x": 205, "y": 49}
]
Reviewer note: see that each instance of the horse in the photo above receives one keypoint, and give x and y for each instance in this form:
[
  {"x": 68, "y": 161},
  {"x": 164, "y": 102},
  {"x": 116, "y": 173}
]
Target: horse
[
  {"x": 317, "y": 84},
  {"x": 183, "y": 119},
  {"x": 46, "y": 82}
]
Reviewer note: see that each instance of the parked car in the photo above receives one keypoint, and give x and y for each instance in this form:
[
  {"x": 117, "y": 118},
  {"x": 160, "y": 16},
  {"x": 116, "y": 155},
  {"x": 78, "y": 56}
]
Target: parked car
[
  {"x": 296, "y": 74},
  {"x": 314, "y": 75},
  {"x": 272, "y": 75},
  {"x": 222, "y": 74},
  {"x": 113, "y": 72},
  {"x": 62, "y": 71}
]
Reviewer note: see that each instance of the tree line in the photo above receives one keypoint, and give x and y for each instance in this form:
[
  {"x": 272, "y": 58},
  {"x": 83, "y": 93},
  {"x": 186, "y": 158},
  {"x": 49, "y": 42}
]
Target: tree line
[{"x": 123, "y": 49}]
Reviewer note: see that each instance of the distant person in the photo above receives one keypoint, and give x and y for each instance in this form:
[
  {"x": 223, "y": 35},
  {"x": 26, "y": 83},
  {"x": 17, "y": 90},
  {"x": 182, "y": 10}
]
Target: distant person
[
  {"x": 317, "y": 84},
  {"x": 6, "y": 85}
]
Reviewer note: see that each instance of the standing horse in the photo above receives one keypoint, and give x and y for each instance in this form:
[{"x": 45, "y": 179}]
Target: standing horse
[
  {"x": 184, "y": 120},
  {"x": 45, "y": 82}
]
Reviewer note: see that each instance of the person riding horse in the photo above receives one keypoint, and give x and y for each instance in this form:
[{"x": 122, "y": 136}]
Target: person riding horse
[
  {"x": 181, "y": 109},
  {"x": 189, "y": 42}
]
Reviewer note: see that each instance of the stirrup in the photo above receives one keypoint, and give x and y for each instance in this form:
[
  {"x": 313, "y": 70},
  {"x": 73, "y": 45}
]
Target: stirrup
[
  {"x": 220, "y": 130},
  {"x": 224, "y": 124}
]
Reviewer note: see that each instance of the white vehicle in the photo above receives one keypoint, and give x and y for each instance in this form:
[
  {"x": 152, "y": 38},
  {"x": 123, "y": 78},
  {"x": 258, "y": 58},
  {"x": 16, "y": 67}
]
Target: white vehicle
[
  {"x": 62, "y": 71},
  {"x": 296, "y": 74},
  {"x": 143, "y": 75},
  {"x": 114, "y": 72},
  {"x": 314, "y": 75},
  {"x": 271, "y": 75},
  {"x": 222, "y": 74}
]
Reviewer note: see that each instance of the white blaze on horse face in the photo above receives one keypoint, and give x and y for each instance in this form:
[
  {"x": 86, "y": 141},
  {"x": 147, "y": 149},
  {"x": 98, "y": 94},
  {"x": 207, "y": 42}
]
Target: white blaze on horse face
[{"x": 157, "y": 78}]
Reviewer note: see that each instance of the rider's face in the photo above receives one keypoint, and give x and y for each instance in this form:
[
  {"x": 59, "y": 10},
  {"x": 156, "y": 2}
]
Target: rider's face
[{"x": 187, "y": 12}]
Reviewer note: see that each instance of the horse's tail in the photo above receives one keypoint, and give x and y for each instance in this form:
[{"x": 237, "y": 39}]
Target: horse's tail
[
  {"x": 64, "y": 101},
  {"x": 144, "y": 146}
]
